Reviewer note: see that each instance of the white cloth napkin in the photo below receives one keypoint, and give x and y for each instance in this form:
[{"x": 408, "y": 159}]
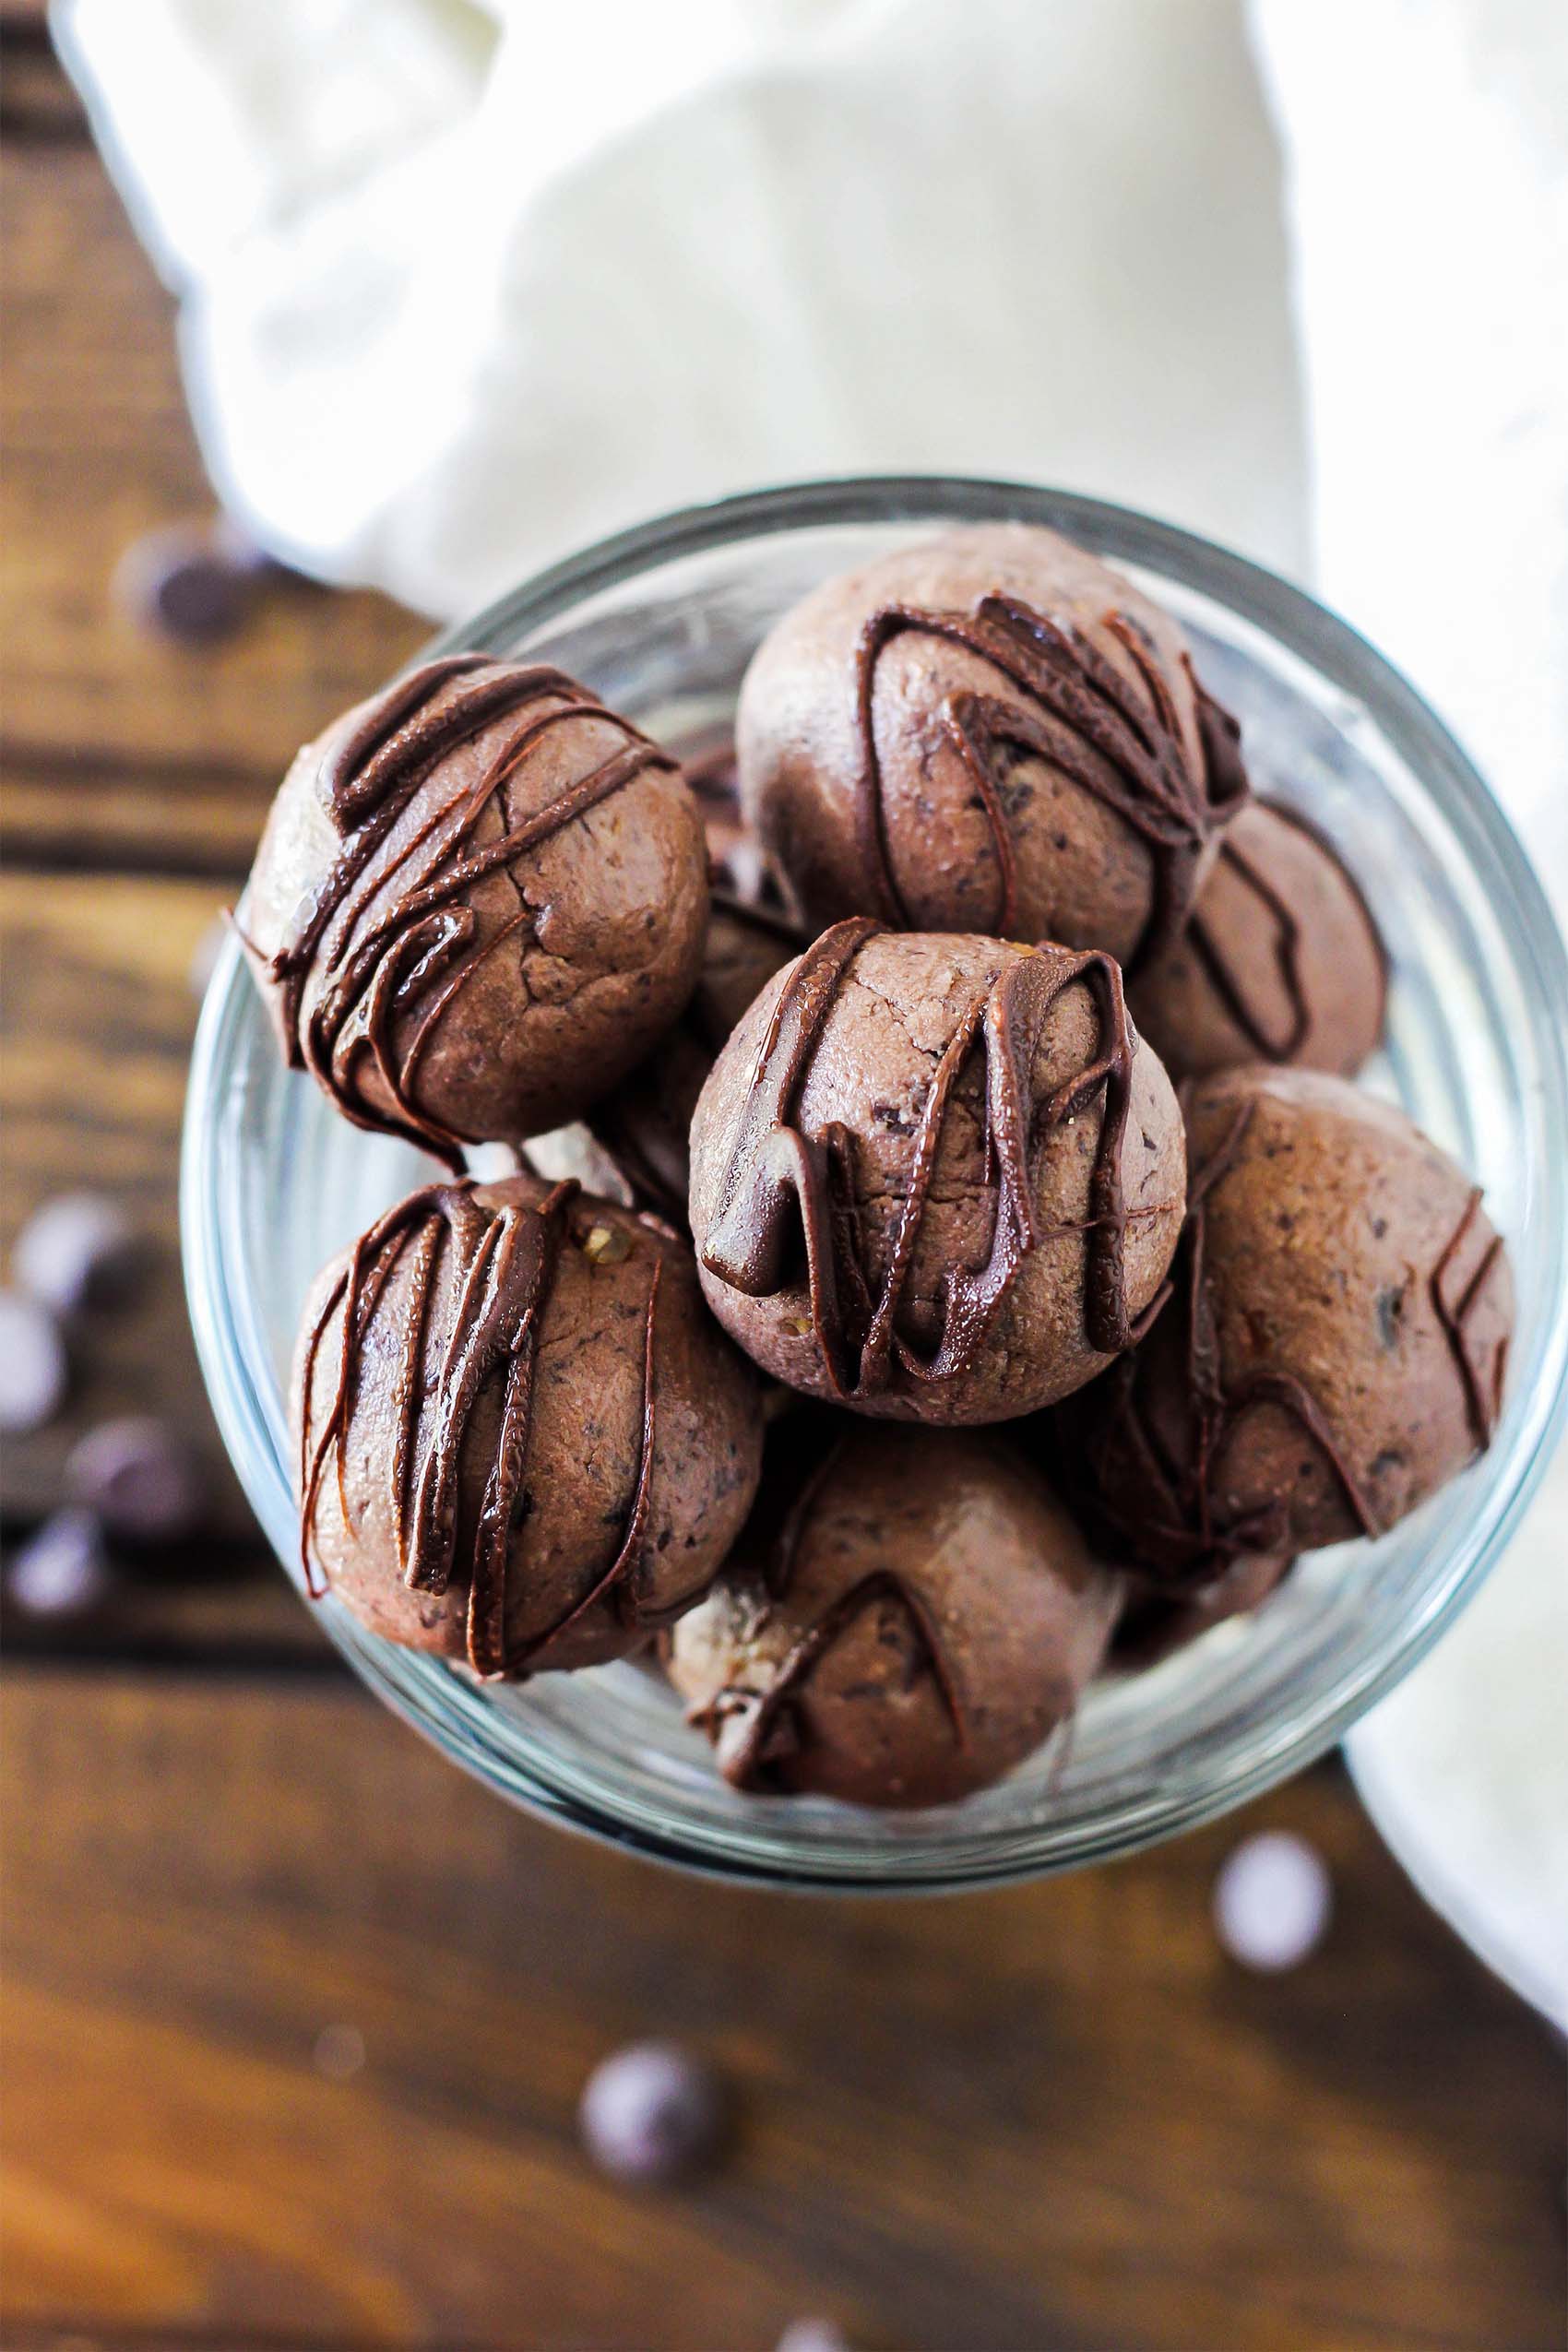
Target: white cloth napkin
[
  {"x": 465, "y": 287},
  {"x": 466, "y": 283}
]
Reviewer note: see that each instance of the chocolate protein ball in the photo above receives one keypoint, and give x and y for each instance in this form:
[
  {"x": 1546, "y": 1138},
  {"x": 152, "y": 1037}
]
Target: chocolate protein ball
[
  {"x": 644, "y": 1125},
  {"x": 480, "y": 899},
  {"x": 991, "y": 733},
  {"x": 520, "y": 1441},
  {"x": 920, "y": 1621},
  {"x": 1279, "y": 959},
  {"x": 1333, "y": 1351},
  {"x": 935, "y": 1178}
]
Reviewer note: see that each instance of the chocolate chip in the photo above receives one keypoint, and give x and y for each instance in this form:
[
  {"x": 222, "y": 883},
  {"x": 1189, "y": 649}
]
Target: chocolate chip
[
  {"x": 144, "y": 1481},
  {"x": 185, "y": 582},
  {"x": 1271, "y": 1902},
  {"x": 79, "y": 1250},
  {"x": 34, "y": 1371},
  {"x": 653, "y": 2112},
  {"x": 813, "y": 2335},
  {"x": 63, "y": 1571}
]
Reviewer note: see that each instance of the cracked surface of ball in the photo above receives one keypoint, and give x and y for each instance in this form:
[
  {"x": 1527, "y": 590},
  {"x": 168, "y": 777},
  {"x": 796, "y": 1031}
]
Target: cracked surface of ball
[
  {"x": 988, "y": 732},
  {"x": 1281, "y": 960},
  {"x": 1333, "y": 1350},
  {"x": 534, "y": 1444},
  {"x": 918, "y": 1622},
  {"x": 935, "y": 1177},
  {"x": 480, "y": 899}
]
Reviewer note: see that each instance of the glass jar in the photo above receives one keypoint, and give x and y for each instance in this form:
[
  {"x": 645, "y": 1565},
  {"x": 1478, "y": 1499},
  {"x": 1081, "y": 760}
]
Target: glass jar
[{"x": 661, "y": 622}]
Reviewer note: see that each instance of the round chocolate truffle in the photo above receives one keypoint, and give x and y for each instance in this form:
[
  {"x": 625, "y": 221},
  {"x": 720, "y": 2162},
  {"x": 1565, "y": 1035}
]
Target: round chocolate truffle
[
  {"x": 935, "y": 1178},
  {"x": 990, "y": 732},
  {"x": 1279, "y": 959},
  {"x": 520, "y": 1441},
  {"x": 920, "y": 1621},
  {"x": 644, "y": 1125},
  {"x": 478, "y": 901},
  {"x": 1333, "y": 1351}
]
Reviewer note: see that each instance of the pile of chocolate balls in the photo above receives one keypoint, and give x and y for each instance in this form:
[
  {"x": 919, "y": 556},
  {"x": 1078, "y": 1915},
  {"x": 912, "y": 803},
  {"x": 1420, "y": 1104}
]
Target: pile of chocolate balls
[{"x": 947, "y": 1252}]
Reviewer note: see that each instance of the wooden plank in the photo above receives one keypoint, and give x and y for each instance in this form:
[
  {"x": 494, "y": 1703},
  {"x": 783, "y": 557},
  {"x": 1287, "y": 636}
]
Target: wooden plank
[
  {"x": 115, "y": 745},
  {"x": 1054, "y": 2115},
  {"x": 98, "y": 1018}
]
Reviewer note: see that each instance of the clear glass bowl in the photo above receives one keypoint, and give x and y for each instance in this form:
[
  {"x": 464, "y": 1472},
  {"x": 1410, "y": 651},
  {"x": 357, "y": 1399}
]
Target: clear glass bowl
[{"x": 661, "y": 622}]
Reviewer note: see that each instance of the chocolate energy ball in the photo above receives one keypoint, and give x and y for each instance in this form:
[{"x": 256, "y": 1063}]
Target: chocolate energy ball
[
  {"x": 935, "y": 1178},
  {"x": 1279, "y": 959},
  {"x": 520, "y": 1441},
  {"x": 479, "y": 900},
  {"x": 987, "y": 732},
  {"x": 923, "y": 1618},
  {"x": 644, "y": 1125},
  {"x": 1333, "y": 1350}
]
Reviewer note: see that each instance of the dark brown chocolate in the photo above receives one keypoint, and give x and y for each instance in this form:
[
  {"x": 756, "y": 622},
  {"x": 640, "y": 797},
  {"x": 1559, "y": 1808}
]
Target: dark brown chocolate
[
  {"x": 991, "y": 733},
  {"x": 975, "y": 1092},
  {"x": 421, "y": 928},
  {"x": 1279, "y": 960},
  {"x": 914, "y": 1620},
  {"x": 520, "y": 1439},
  {"x": 1335, "y": 1349}
]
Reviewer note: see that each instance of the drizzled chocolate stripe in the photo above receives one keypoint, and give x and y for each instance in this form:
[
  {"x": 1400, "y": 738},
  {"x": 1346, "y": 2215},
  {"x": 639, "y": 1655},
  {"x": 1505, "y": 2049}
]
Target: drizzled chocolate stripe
[
  {"x": 423, "y": 945},
  {"x": 1481, "y": 1382},
  {"x": 509, "y": 1257},
  {"x": 782, "y": 1187},
  {"x": 1210, "y": 953},
  {"x": 1177, "y": 1528},
  {"x": 1077, "y": 710},
  {"x": 754, "y": 1732}
]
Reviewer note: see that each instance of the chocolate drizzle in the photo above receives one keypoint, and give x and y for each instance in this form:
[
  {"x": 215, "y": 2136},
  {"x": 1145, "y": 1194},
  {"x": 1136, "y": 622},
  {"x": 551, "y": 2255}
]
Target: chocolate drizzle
[
  {"x": 1482, "y": 1384},
  {"x": 390, "y": 934},
  {"x": 505, "y": 1259},
  {"x": 1075, "y": 708},
  {"x": 1162, "y": 1503},
  {"x": 755, "y": 1732},
  {"x": 1206, "y": 946},
  {"x": 785, "y": 1194}
]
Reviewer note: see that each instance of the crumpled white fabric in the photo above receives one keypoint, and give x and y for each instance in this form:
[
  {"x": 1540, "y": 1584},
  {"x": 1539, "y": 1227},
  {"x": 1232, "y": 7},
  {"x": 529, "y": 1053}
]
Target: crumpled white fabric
[
  {"x": 466, "y": 283},
  {"x": 463, "y": 287}
]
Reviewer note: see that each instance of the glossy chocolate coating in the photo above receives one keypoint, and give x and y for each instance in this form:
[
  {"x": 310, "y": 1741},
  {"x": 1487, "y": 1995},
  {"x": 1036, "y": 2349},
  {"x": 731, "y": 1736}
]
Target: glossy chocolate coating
[
  {"x": 478, "y": 901},
  {"x": 991, "y": 733},
  {"x": 935, "y": 1177},
  {"x": 1279, "y": 960},
  {"x": 534, "y": 1446},
  {"x": 917, "y": 1622},
  {"x": 1334, "y": 1350}
]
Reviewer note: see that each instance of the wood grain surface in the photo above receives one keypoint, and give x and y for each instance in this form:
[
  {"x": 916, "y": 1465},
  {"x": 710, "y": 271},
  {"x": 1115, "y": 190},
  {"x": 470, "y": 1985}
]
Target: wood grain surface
[
  {"x": 1055, "y": 2116},
  {"x": 294, "y": 2017}
]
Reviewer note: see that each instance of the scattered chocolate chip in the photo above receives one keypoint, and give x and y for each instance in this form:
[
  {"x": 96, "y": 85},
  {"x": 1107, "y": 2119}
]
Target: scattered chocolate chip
[
  {"x": 185, "y": 582},
  {"x": 35, "y": 1374},
  {"x": 63, "y": 1571},
  {"x": 144, "y": 1481},
  {"x": 652, "y": 2112},
  {"x": 1271, "y": 1902},
  {"x": 813, "y": 2335},
  {"x": 79, "y": 1250}
]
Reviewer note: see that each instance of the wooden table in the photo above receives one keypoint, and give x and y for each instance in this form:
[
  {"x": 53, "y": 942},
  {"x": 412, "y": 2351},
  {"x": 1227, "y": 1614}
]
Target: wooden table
[{"x": 295, "y": 2017}]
